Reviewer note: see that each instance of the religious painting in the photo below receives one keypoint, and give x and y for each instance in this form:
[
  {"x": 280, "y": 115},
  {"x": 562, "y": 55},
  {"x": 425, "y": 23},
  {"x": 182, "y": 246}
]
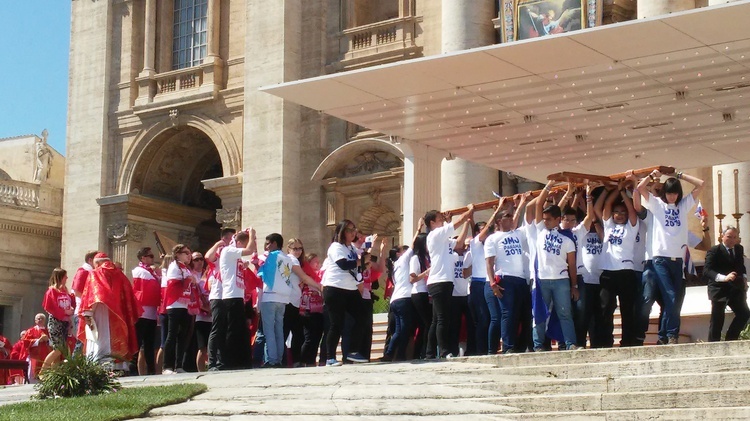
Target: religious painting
[{"x": 538, "y": 18}]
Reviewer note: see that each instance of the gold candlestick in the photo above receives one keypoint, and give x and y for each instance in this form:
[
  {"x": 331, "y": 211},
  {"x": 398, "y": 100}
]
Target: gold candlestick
[
  {"x": 718, "y": 177},
  {"x": 737, "y": 217},
  {"x": 720, "y": 217}
]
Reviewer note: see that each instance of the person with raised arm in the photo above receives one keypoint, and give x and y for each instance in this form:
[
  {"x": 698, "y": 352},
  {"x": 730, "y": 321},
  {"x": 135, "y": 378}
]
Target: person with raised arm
[
  {"x": 440, "y": 282},
  {"x": 557, "y": 277},
  {"x": 668, "y": 234}
]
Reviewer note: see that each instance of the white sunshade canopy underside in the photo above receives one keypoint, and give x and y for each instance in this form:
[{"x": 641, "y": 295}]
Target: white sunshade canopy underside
[{"x": 600, "y": 100}]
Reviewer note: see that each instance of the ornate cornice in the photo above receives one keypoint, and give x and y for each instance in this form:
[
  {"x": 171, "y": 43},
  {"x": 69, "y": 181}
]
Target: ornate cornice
[{"x": 43, "y": 232}]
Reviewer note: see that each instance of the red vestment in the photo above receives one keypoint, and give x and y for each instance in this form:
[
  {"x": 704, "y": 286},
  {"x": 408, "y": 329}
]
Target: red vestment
[
  {"x": 37, "y": 353},
  {"x": 5, "y": 351},
  {"x": 18, "y": 352},
  {"x": 108, "y": 286}
]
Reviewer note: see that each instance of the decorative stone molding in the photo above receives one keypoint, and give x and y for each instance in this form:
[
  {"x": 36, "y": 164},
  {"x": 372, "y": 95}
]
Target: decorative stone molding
[
  {"x": 229, "y": 217},
  {"x": 120, "y": 232},
  {"x": 368, "y": 163},
  {"x": 30, "y": 230},
  {"x": 18, "y": 193}
]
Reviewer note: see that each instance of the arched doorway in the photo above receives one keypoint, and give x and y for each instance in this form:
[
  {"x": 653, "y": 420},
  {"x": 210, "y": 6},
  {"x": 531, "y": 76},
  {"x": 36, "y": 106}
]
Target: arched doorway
[{"x": 171, "y": 169}]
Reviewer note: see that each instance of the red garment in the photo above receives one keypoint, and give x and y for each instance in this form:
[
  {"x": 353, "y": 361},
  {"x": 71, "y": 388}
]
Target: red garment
[
  {"x": 312, "y": 301},
  {"x": 57, "y": 301},
  {"x": 252, "y": 283},
  {"x": 146, "y": 286},
  {"x": 179, "y": 289},
  {"x": 18, "y": 352},
  {"x": 36, "y": 353},
  {"x": 107, "y": 285},
  {"x": 79, "y": 279},
  {"x": 5, "y": 351}
]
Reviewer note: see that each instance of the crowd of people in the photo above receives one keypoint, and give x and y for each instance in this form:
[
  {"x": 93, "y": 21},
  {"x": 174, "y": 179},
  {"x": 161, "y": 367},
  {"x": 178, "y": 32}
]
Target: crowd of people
[{"x": 542, "y": 269}]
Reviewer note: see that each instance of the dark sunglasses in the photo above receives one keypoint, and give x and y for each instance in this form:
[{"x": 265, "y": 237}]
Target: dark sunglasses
[
  {"x": 296, "y": 248},
  {"x": 149, "y": 255},
  {"x": 197, "y": 259}
]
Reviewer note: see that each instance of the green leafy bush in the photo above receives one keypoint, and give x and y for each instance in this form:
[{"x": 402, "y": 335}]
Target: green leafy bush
[{"x": 77, "y": 375}]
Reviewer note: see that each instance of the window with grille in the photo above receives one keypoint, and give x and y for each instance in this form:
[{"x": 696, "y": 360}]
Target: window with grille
[{"x": 189, "y": 33}]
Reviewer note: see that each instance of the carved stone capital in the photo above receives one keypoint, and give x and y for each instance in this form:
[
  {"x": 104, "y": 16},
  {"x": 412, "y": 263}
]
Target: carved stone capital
[
  {"x": 121, "y": 231},
  {"x": 229, "y": 217}
]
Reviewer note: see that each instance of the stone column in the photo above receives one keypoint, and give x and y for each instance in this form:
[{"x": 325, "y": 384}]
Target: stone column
[
  {"x": 229, "y": 190},
  {"x": 119, "y": 235},
  {"x": 149, "y": 39},
  {"x": 466, "y": 24},
  {"x": 421, "y": 192},
  {"x": 88, "y": 128},
  {"x": 213, "y": 30},
  {"x": 651, "y": 8}
]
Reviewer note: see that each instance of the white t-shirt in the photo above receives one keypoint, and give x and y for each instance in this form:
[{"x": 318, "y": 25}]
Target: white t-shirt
[
  {"x": 619, "y": 245},
  {"x": 296, "y": 296},
  {"x": 401, "y": 283},
  {"x": 460, "y": 284},
  {"x": 591, "y": 255},
  {"x": 149, "y": 312},
  {"x": 579, "y": 231},
  {"x": 639, "y": 252},
  {"x": 415, "y": 268},
  {"x": 669, "y": 230},
  {"x": 334, "y": 275},
  {"x": 230, "y": 265},
  {"x": 509, "y": 249},
  {"x": 215, "y": 285},
  {"x": 441, "y": 261},
  {"x": 478, "y": 264},
  {"x": 282, "y": 284},
  {"x": 552, "y": 250},
  {"x": 174, "y": 271}
]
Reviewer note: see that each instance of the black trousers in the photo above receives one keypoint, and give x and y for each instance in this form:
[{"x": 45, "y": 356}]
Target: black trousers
[
  {"x": 293, "y": 324},
  {"x": 312, "y": 328},
  {"x": 177, "y": 338},
  {"x": 145, "y": 330},
  {"x": 423, "y": 309},
  {"x": 217, "y": 337},
  {"x": 459, "y": 311},
  {"x": 366, "y": 348},
  {"x": 738, "y": 304},
  {"x": 621, "y": 284},
  {"x": 337, "y": 303},
  {"x": 441, "y": 294},
  {"x": 237, "y": 346}
]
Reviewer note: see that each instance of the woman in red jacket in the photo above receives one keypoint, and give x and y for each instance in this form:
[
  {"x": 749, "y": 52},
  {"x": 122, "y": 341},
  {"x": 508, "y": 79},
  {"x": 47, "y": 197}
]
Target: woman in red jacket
[{"x": 60, "y": 304}]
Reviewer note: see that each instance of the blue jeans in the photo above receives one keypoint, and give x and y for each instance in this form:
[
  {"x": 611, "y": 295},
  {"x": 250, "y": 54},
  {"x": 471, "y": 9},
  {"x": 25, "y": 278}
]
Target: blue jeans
[
  {"x": 272, "y": 315},
  {"x": 480, "y": 314},
  {"x": 515, "y": 291},
  {"x": 669, "y": 280},
  {"x": 402, "y": 310},
  {"x": 496, "y": 316},
  {"x": 556, "y": 295}
]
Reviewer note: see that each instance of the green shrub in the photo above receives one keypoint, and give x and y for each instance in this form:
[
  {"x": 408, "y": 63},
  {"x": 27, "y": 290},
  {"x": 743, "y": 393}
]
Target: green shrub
[
  {"x": 77, "y": 375},
  {"x": 745, "y": 334}
]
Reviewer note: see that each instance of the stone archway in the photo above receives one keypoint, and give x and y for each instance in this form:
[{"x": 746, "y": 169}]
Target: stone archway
[{"x": 381, "y": 220}]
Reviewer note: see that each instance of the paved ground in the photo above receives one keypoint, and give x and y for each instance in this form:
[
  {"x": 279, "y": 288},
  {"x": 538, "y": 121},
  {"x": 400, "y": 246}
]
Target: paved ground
[{"x": 405, "y": 390}]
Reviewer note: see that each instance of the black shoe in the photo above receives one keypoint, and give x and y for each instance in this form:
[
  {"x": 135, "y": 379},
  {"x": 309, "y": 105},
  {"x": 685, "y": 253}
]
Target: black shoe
[{"x": 386, "y": 358}]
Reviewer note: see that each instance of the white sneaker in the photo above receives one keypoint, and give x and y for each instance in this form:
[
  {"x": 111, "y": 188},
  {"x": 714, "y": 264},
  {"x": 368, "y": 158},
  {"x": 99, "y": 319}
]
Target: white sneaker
[{"x": 167, "y": 371}]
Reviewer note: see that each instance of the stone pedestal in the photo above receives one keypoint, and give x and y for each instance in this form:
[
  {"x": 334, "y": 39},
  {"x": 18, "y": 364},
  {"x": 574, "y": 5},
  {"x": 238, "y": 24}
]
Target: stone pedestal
[
  {"x": 651, "y": 8},
  {"x": 229, "y": 190}
]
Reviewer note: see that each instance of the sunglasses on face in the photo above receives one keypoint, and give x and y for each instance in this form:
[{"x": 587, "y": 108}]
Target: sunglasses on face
[
  {"x": 197, "y": 259},
  {"x": 296, "y": 248},
  {"x": 149, "y": 255}
]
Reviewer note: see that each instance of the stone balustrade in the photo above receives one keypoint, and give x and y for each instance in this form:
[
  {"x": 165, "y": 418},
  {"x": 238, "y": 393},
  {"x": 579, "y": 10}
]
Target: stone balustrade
[
  {"x": 179, "y": 80},
  {"x": 18, "y": 193},
  {"x": 379, "y": 42}
]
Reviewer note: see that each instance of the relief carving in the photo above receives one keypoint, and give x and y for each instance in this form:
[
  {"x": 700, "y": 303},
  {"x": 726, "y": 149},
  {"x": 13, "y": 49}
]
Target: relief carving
[
  {"x": 124, "y": 232},
  {"x": 368, "y": 163},
  {"x": 229, "y": 217}
]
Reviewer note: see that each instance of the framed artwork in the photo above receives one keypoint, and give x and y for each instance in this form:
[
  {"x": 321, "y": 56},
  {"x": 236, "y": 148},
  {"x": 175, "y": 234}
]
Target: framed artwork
[{"x": 524, "y": 19}]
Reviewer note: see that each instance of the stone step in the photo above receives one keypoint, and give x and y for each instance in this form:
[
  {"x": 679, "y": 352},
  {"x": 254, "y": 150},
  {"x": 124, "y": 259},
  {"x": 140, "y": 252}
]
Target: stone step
[
  {"x": 663, "y": 414},
  {"x": 634, "y": 367},
  {"x": 661, "y": 382},
  {"x": 686, "y": 398},
  {"x": 695, "y": 350}
]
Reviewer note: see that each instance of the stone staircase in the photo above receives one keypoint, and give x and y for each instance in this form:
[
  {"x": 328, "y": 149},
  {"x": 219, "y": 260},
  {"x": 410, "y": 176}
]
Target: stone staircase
[
  {"x": 675, "y": 382},
  {"x": 380, "y": 328}
]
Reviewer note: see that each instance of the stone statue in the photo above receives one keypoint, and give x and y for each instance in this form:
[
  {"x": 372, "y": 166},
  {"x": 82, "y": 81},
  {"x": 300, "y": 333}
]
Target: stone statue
[{"x": 43, "y": 159}]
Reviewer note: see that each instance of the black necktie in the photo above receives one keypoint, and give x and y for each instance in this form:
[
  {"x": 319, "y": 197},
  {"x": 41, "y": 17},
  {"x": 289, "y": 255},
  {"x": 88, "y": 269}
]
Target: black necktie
[{"x": 731, "y": 253}]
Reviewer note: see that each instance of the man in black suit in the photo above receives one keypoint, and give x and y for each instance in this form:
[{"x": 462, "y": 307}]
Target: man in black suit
[{"x": 727, "y": 285}]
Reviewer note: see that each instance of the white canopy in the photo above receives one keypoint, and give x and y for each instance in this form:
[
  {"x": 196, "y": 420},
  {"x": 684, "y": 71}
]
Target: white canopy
[{"x": 669, "y": 90}]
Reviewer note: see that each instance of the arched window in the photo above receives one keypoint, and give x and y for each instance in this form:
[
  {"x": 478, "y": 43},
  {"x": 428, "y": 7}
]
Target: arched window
[{"x": 189, "y": 35}]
